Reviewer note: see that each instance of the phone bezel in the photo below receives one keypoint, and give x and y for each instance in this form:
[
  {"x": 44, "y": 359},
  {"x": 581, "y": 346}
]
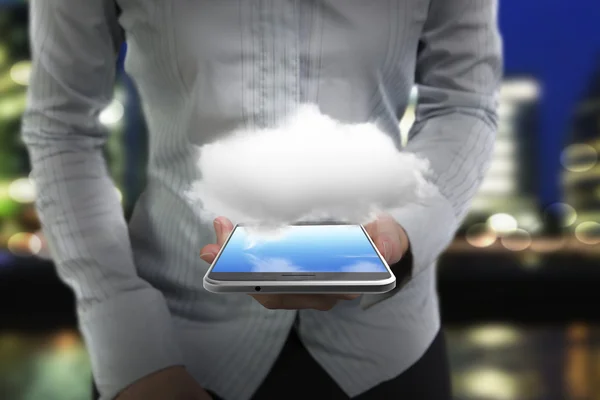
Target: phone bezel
[{"x": 368, "y": 280}]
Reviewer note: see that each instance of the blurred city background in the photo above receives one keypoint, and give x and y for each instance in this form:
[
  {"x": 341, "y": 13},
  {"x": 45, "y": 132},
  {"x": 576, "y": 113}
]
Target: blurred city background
[{"x": 519, "y": 287}]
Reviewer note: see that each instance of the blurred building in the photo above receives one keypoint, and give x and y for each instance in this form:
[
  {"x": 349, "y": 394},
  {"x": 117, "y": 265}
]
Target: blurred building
[
  {"x": 507, "y": 201},
  {"x": 581, "y": 176}
]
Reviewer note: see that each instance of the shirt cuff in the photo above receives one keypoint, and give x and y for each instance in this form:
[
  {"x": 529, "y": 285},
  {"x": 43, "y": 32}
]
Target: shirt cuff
[
  {"x": 128, "y": 337},
  {"x": 430, "y": 228}
]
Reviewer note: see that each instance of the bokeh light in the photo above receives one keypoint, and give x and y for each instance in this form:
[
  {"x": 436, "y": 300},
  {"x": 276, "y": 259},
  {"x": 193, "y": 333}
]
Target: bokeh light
[
  {"x": 579, "y": 157},
  {"x": 12, "y": 106},
  {"x": 35, "y": 244},
  {"x": 530, "y": 222},
  {"x": 61, "y": 365},
  {"x": 503, "y": 223},
  {"x": 518, "y": 240},
  {"x": 566, "y": 214},
  {"x": 119, "y": 194},
  {"x": 520, "y": 90},
  {"x": 65, "y": 340},
  {"x": 506, "y": 110},
  {"x": 480, "y": 235},
  {"x": 20, "y": 72},
  {"x": 493, "y": 336},
  {"x": 112, "y": 114},
  {"x": 490, "y": 384},
  {"x": 504, "y": 149},
  {"x": 588, "y": 233},
  {"x": 22, "y": 191},
  {"x": 24, "y": 244}
]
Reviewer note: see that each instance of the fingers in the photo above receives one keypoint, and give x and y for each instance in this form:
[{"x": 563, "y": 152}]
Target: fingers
[
  {"x": 223, "y": 228},
  {"x": 209, "y": 252},
  {"x": 371, "y": 229},
  {"x": 300, "y": 301},
  {"x": 377, "y": 232},
  {"x": 347, "y": 296},
  {"x": 296, "y": 302},
  {"x": 384, "y": 233}
]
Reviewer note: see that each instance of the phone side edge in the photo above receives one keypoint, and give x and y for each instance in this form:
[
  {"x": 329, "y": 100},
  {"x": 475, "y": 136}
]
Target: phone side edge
[
  {"x": 381, "y": 258},
  {"x": 212, "y": 265}
]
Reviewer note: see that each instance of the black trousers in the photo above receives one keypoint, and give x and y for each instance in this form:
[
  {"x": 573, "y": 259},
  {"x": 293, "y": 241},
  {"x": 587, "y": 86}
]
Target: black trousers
[{"x": 427, "y": 379}]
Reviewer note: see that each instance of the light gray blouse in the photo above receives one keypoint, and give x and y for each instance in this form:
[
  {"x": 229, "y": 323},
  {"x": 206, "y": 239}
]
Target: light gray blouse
[{"x": 203, "y": 68}]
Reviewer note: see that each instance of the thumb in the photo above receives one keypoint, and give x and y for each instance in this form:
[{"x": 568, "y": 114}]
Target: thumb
[
  {"x": 387, "y": 240},
  {"x": 223, "y": 228},
  {"x": 209, "y": 252}
]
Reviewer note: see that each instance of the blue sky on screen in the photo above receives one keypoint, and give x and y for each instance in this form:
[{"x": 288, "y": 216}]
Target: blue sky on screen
[{"x": 337, "y": 248}]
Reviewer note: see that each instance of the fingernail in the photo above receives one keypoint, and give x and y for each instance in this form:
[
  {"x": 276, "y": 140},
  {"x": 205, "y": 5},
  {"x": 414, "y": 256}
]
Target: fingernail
[
  {"x": 386, "y": 249},
  {"x": 218, "y": 226},
  {"x": 206, "y": 255}
]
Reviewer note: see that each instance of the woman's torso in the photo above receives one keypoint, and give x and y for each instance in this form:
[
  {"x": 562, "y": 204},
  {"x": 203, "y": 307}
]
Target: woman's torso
[{"x": 206, "y": 67}]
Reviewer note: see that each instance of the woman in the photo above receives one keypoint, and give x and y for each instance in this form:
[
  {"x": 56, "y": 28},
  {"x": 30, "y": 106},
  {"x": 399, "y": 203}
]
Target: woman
[{"x": 204, "y": 68}]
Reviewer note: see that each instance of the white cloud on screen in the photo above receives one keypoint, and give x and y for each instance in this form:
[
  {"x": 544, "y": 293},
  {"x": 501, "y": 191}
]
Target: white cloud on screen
[
  {"x": 362, "y": 266},
  {"x": 257, "y": 235},
  {"x": 272, "y": 264},
  {"x": 309, "y": 168}
]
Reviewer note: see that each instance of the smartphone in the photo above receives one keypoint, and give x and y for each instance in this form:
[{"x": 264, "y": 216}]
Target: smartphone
[{"x": 321, "y": 258}]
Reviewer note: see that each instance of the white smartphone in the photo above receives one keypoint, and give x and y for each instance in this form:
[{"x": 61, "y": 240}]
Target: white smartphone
[{"x": 301, "y": 258}]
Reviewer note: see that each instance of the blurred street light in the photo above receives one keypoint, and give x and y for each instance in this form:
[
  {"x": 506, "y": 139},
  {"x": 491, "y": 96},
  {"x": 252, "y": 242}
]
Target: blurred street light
[
  {"x": 20, "y": 72},
  {"x": 502, "y": 223}
]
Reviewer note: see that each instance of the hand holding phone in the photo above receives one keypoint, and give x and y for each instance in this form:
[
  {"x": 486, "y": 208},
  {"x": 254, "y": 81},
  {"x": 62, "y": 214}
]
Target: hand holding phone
[
  {"x": 323, "y": 302},
  {"x": 173, "y": 383},
  {"x": 389, "y": 237}
]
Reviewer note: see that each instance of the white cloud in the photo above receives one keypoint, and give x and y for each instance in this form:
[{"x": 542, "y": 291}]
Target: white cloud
[
  {"x": 309, "y": 168},
  {"x": 361, "y": 256},
  {"x": 361, "y": 266},
  {"x": 257, "y": 235},
  {"x": 272, "y": 264}
]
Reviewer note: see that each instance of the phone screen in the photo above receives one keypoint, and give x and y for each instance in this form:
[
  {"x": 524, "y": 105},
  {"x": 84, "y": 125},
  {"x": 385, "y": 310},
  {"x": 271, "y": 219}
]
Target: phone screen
[{"x": 309, "y": 250}]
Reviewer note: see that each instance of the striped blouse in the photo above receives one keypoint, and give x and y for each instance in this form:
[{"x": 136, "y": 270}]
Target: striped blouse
[{"x": 204, "y": 68}]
